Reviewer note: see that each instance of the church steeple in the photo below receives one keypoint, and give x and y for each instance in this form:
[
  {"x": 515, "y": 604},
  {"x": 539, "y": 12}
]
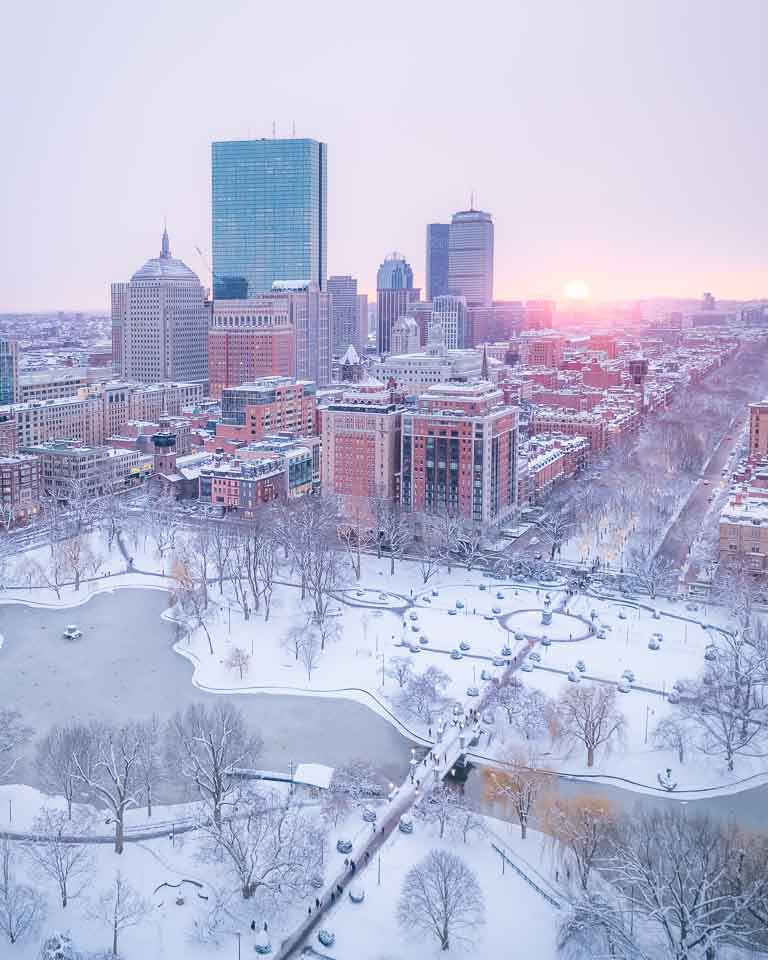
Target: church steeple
[{"x": 165, "y": 249}]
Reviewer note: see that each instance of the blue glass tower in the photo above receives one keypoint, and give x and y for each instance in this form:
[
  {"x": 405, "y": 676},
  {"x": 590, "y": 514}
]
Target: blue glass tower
[{"x": 269, "y": 215}]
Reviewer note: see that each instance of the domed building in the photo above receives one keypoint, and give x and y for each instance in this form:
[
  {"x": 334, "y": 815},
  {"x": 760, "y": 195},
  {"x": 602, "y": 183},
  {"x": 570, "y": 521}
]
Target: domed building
[{"x": 160, "y": 322}]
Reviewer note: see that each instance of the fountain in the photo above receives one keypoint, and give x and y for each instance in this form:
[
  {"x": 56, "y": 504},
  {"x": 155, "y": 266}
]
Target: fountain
[{"x": 546, "y": 613}]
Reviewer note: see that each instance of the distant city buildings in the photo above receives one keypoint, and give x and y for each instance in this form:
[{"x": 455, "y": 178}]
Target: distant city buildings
[
  {"x": 349, "y": 314},
  {"x": 394, "y": 295},
  {"x": 160, "y": 322},
  {"x": 21, "y": 488},
  {"x": 437, "y": 260},
  {"x": 9, "y": 371},
  {"x": 450, "y": 312},
  {"x": 269, "y": 210}
]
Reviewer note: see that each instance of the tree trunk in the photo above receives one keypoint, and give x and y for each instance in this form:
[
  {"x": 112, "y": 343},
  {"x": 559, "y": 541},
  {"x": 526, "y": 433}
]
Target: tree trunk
[
  {"x": 149, "y": 800},
  {"x": 114, "y": 934},
  {"x": 523, "y": 828},
  {"x": 64, "y": 894},
  {"x": 391, "y": 564},
  {"x": 119, "y": 833},
  {"x": 590, "y": 756}
]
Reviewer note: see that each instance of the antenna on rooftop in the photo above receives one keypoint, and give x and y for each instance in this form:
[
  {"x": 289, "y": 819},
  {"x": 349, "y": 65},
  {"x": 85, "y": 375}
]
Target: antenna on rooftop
[
  {"x": 274, "y": 129},
  {"x": 472, "y": 200}
]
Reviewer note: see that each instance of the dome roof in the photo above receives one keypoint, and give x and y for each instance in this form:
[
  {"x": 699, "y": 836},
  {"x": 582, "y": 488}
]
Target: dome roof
[{"x": 165, "y": 267}]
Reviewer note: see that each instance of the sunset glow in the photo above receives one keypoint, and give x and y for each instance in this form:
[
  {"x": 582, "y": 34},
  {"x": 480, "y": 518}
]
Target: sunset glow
[{"x": 576, "y": 290}]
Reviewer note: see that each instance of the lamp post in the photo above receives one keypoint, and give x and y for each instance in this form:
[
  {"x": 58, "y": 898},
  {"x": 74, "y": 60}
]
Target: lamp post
[
  {"x": 238, "y": 935},
  {"x": 412, "y": 763}
]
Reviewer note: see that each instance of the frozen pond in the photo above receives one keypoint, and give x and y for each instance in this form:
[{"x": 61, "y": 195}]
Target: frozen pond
[{"x": 124, "y": 668}]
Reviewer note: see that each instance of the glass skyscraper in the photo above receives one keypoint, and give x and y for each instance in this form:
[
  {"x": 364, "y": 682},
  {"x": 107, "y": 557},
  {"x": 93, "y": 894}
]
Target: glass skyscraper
[
  {"x": 269, "y": 215},
  {"x": 9, "y": 370},
  {"x": 437, "y": 260}
]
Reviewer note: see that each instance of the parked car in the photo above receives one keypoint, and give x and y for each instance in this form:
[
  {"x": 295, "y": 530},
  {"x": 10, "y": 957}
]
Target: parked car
[
  {"x": 536, "y": 657},
  {"x": 496, "y": 610},
  {"x": 464, "y": 645},
  {"x": 499, "y": 662},
  {"x": 456, "y": 654},
  {"x": 581, "y": 666},
  {"x": 344, "y": 845},
  {"x": 459, "y": 604},
  {"x": 413, "y": 615},
  {"x": 574, "y": 676},
  {"x": 72, "y": 632},
  {"x": 653, "y": 644},
  {"x": 326, "y": 938},
  {"x": 629, "y": 675},
  {"x": 624, "y": 686},
  {"x": 527, "y": 666},
  {"x": 405, "y": 825},
  {"x": 473, "y": 692},
  {"x": 506, "y": 651}
]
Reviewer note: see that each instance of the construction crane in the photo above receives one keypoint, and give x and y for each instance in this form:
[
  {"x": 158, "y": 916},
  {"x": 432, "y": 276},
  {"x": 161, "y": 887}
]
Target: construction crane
[{"x": 206, "y": 263}]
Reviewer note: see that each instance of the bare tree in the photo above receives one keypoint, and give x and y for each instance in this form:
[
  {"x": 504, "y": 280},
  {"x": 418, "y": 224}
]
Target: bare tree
[
  {"x": 150, "y": 767},
  {"x": 55, "y": 760},
  {"x": 595, "y": 925},
  {"x": 293, "y": 638},
  {"x": 423, "y": 693},
  {"x": 469, "y": 545},
  {"x": 651, "y": 572},
  {"x": 556, "y": 527},
  {"x": 520, "y": 784},
  {"x": 589, "y": 716},
  {"x": 273, "y": 848},
  {"x": 358, "y": 780},
  {"x": 209, "y": 745},
  {"x": 239, "y": 659},
  {"x": 107, "y": 763},
  {"x": 191, "y": 596},
  {"x": 579, "y": 827},
  {"x": 355, "y": 529},
  {"x": 429, "y": 550},
  {"x": 69, "y": 865},
  {"x": 394, "y": 530},
  {"x": 447, "y": 527},
  {"x": 442, "y": 898},
  {"x": 13, "y": 735},
  {"x": 120, "y": 907},
  {"x": 443, "y": 805},
  {"x": 22, "y": 909},
  {"x": 400, "y": 669},
  {"x": 672, "y": 733},
  {"x": 509, "y": 696},
  {"x": 309, "y": 653}
]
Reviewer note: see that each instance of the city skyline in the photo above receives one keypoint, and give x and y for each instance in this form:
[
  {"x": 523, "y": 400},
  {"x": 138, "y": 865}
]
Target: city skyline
[{"x": 648, "y": 185}]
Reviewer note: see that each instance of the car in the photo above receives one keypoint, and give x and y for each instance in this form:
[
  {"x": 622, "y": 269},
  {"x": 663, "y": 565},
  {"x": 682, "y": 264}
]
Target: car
[
  {"x": 369, "y": 815},
  {"x": 658, "y": 636},
  {"x": 464, "y": 645},
  {"x": 413, "y": 615},
  {"x": 673, "y": 697},
  {"x": 581, "y": 666},
  {"x": 483, "y": 586},
  {"x": 473, "y": 692},
  {"x": 456, "y": 654},
  {"x": 72, "y": 632},
  {"x": 629, "y": 675},
  {"x": 546, "y": 641},
  {"x": 415, "y": 627},
  {"x": 486, "y": 675},
  {"x": 459, "y": 604},
  {"x": 574, "y": 676},
  {"x": 499, "y": 662},
  {"x": 506, "y": 651},
  {"x": 344, "y": 845},
  {"x": 499, "y": 595},
  {"x": 414, "y": 648},
  {"x": 624, "y": 686},
  {"x": 496, "y": 610},
  {"x": 622, "y": 615},
  {"x": 527, "y": 666},
  {"x": 536, "y": 657},
  {"x": 710, "y": 654},
  {"x": 357, "y": 895},
  {"x": 488, "y": 616},
  {"x": 405, "y": 825},
  {"x": 326, "y": 938},
  {"x": 653, "y": 644},
  {"x": 451, "y": 612},
  {"x": 423, "y": 640},
  {"x": 519, "y": 636},
  {"x": 435, "y": 593}
]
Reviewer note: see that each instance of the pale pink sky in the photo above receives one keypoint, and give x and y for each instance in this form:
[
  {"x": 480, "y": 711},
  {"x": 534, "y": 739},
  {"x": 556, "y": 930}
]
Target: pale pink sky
[{"x": 618, "y": 142}]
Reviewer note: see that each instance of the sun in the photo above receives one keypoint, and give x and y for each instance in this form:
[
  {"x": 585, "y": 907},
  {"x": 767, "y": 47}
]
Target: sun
[{"x": 576, "y": 290}]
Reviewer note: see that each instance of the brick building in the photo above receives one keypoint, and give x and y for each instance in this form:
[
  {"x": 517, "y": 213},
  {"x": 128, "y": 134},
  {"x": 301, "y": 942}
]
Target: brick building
[
  {"x": 459, "y": 452},
  {"x": 758, "y": 429},
  {"x": 266, "y": 406},
  {"x": 579, "y": 424},
  {"x": 21, "y": 488}
]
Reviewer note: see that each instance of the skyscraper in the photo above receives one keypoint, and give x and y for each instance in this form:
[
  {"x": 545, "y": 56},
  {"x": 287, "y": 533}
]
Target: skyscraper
[
  {"x": 437, "y": 259},
  {"x": 160, "y": 322},
  {"x": 470, "y": 257},
  {"x": 347, "y": 316},
  {"x": 451, "y": 314},
  {"x": 269, "y": 215},
  {"x": 394, "y": 293},
  {"x": 9, "y": 371}
]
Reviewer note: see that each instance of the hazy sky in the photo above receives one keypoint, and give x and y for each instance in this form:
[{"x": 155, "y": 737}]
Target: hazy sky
[{"x": 619, "y": 142}]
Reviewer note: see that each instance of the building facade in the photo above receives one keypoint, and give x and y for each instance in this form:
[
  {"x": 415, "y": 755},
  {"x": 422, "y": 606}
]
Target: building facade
[
  {"x": 437, "y": 260},
  {"x": 451, "y": 313},
  {"x": 20, "y": 488},
  {"x": 394, "y": 295},
  {"x": 70, "y": 468},
  {"x": 470, "y": 257},
  {"x": 9, "y": 371},
  {"x": 267, "y": 406},
  {"x": 349, "y": 315},
  {"x": 160, "y": 322},
  {"x": 269, "y": 204},
  {"x": 459, "y": 453},
  {"x": 758, "y": 429}
]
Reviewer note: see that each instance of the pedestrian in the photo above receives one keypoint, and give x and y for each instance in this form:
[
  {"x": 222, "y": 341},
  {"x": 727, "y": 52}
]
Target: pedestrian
[
  {"x": 317, "y": 902},
  {"x": 557, "y": 876},
  {"x": 430, "y": 732},
  {"x": 309, "y": 912},
  {"x": 367, "y": 855},
  {"x": 346, "y": 861},
  {"x": 333, "y": 896},
  {"x": 253, "y": 926},
  {"x": 418, "y": 784},
  {"x": 265, "y": 926},
  {"x": 352, "y": 865}
]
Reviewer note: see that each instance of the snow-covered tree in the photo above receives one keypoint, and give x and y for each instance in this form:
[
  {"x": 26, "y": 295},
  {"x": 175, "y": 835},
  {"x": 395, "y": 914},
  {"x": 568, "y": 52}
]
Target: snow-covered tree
[
  {"x": 589, "y": 716},
  {"x": 400, "y": 669},
  {"x": 22, "y": 909},
  {"x": 118, "y": 908},
  {"x": 209, "y": 745},
  {"x": 358, "y": 780},
  {"x": 442, "y": 805},
  {"x": 58, "y": 946},
  {"x": 673, "y": 733},
  {"x": 651, "y": 572},
  {"x": 69, "y": 865},
  {"x": 578, "y": 827},
  {"x": 239, "y": 659},
  {"x": 55, "y": 760},
  {"x": 13, "y": 735},
  {"x": 150, "y": 768},
  {"x": 441, "y": 898},
  {"x": 394, "y": 528},
  {"x": 519, "y": 784},
  {"x": 423, "y": 692}
]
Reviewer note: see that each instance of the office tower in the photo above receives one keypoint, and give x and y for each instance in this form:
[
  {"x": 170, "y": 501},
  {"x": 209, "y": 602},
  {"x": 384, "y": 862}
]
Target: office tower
[
  {"x": 9, "y": 370},
  {"x": 362, "y": 307},
  {"x": 437, "y": 260},
  {"x": 310, "y": 314},
  {"x": 346, "y": 315},
  {"x": 470, "y": 257},
  {"x": 459, "y": 453},
  {"x": 451, "y": 313},
  {"x": 405, "y": 336},
  {"x": 160, "y": 322},
  {"x": 249, "y": 339},
  {"x": 269, "y": 215},
  {"x": 394, "y": 293}
]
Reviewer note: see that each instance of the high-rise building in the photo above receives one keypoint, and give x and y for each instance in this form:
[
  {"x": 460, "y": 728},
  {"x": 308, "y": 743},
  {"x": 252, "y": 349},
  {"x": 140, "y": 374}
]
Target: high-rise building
[
  {"x": 269, "y": 215},
  {"x": 451, "y": 314},
  {"x": 9, "y": 371},
  {"x": 310, "y": 314},
  {"x": 349, "y": 317},
  {"x": 394, "y": 294},
  {"x": 470, "y": 257},
  {"x": 459, "y": 453},
  {"x": 437, "y": 259},
  {"x": 249, "y": 339},
  {"x": 160, "y": 322}
]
